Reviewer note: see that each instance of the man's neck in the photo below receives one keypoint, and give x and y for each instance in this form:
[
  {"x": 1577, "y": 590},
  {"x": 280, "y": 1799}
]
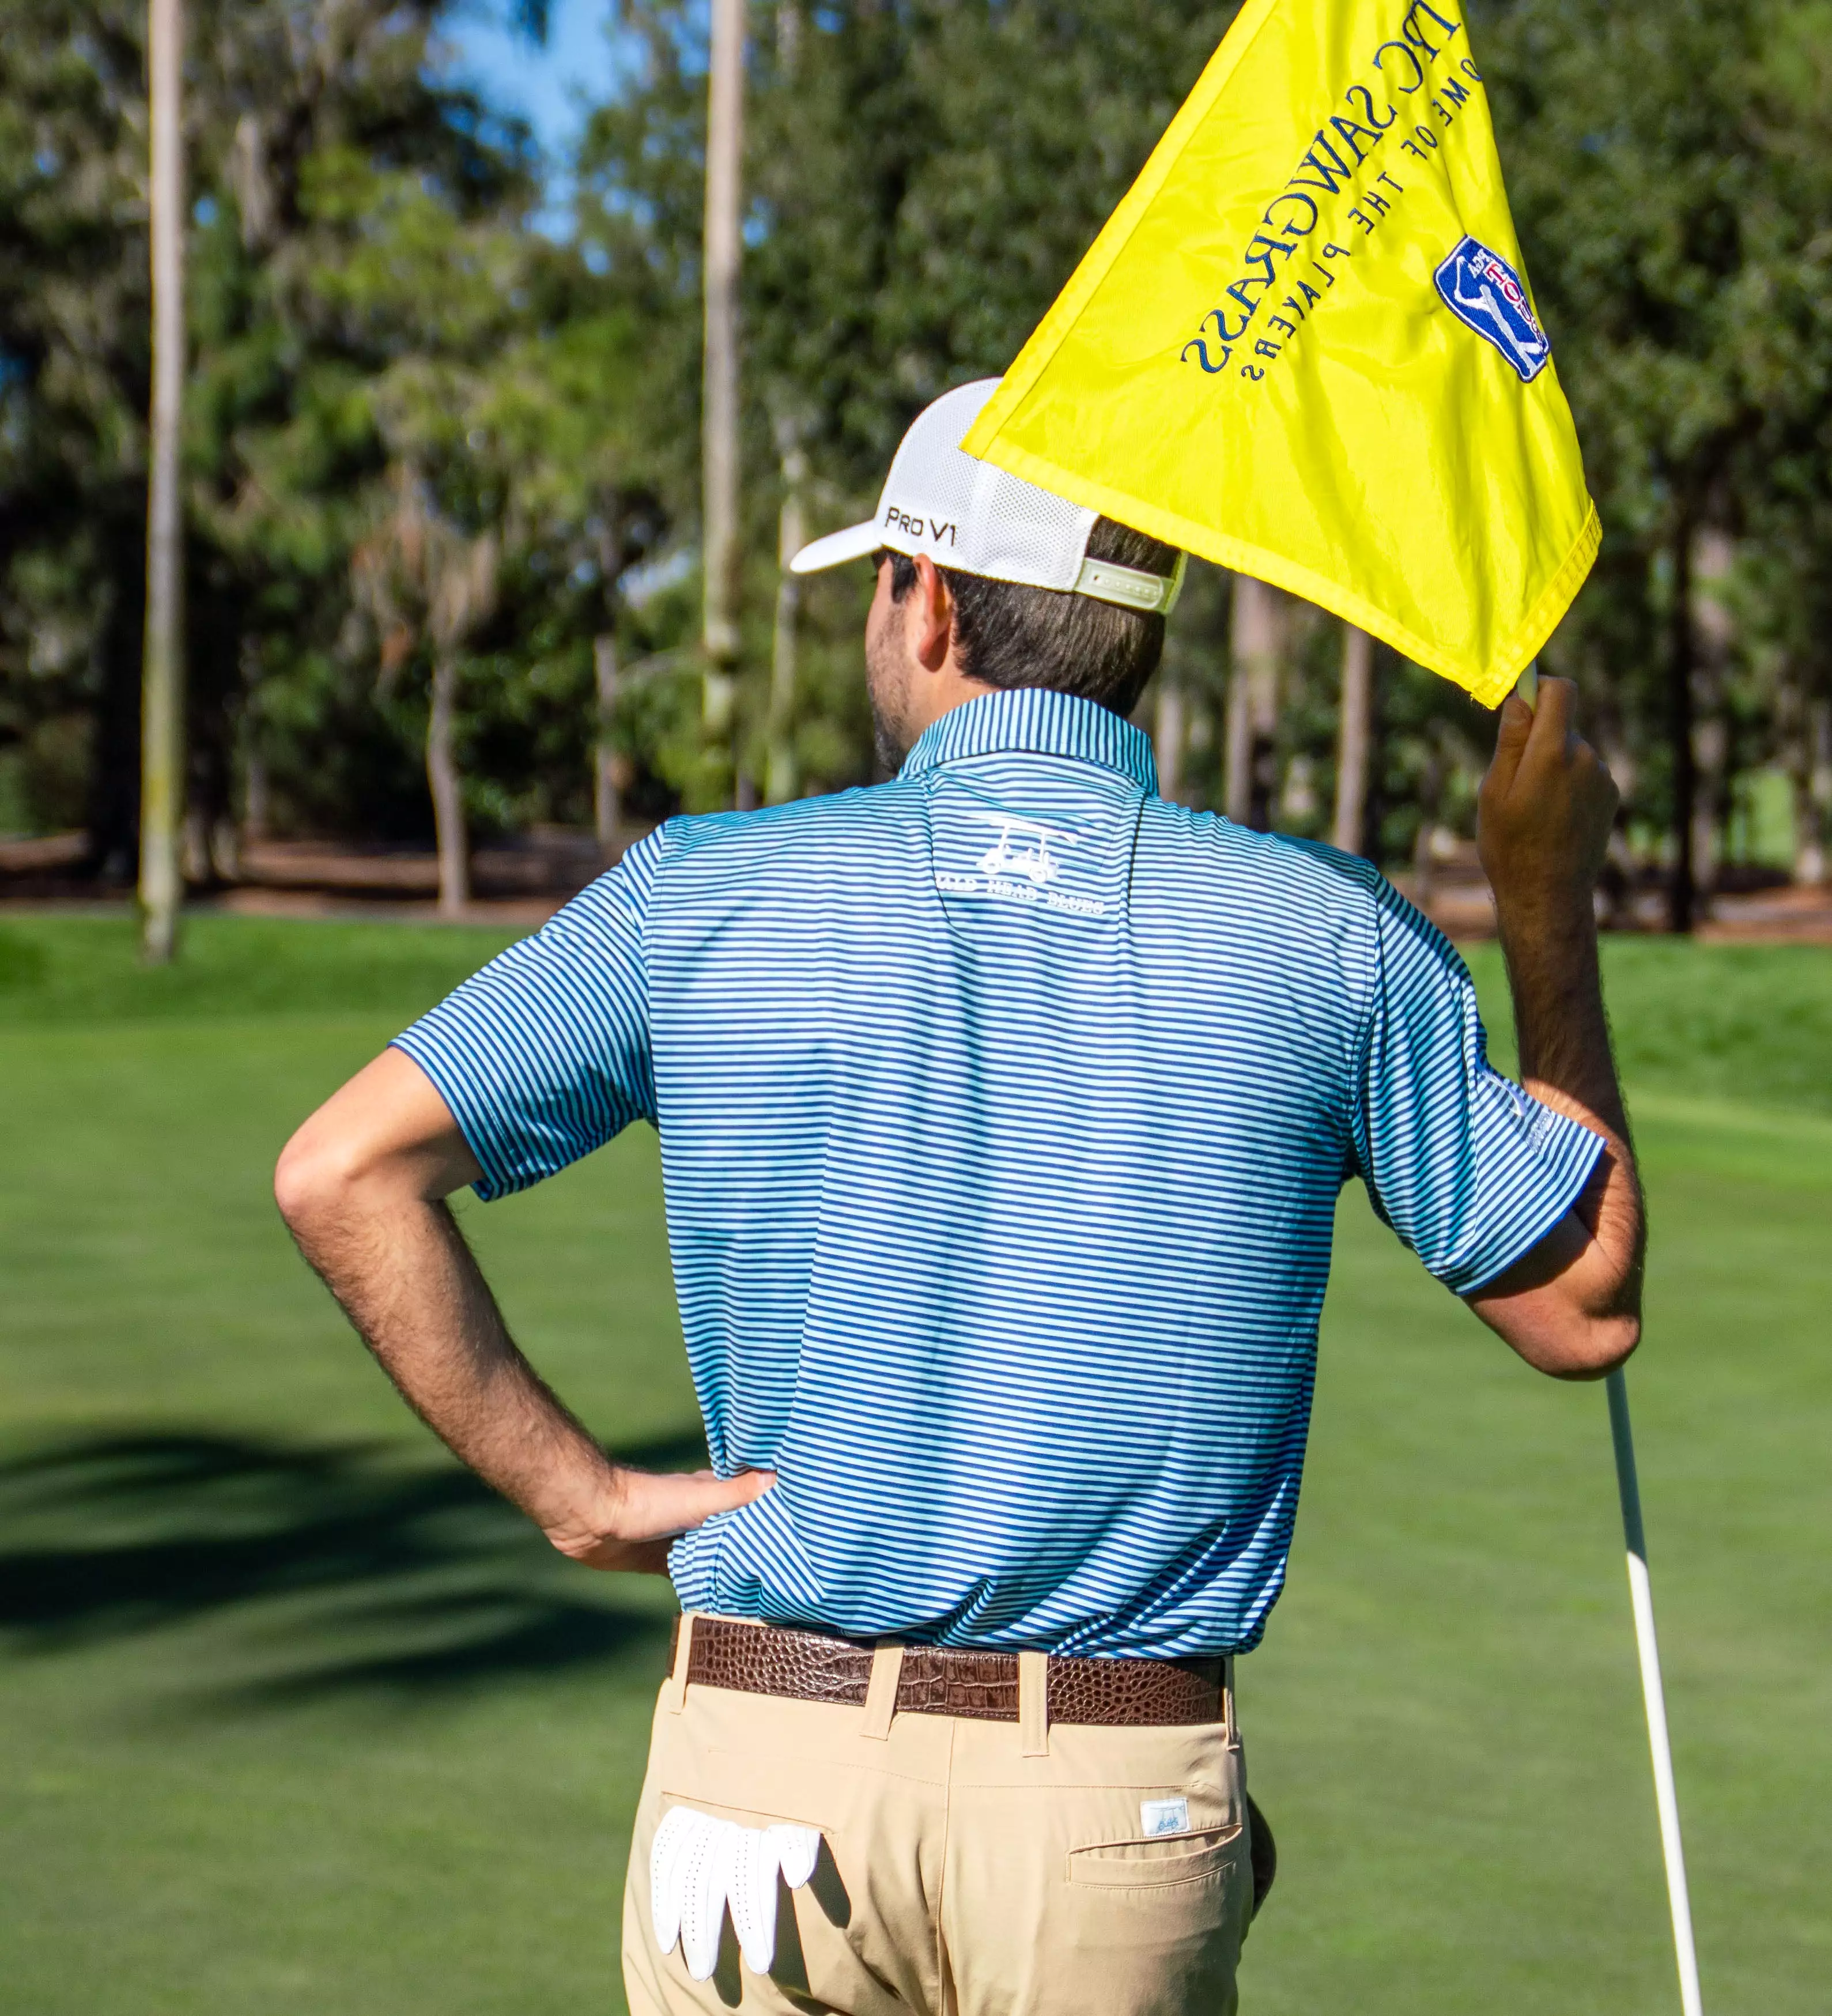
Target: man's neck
[{"x": 938, "y": 694}]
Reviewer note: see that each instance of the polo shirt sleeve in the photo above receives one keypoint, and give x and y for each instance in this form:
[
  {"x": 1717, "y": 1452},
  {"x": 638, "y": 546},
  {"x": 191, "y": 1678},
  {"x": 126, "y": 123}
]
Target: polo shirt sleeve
[
  {"x": 1468, "y": 1168},
  {"x": 544, "y": 1054}
]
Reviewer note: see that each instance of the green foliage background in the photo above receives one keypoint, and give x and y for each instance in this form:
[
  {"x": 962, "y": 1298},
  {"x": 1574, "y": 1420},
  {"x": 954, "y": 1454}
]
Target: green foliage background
[{"x": 377, "y": 324}]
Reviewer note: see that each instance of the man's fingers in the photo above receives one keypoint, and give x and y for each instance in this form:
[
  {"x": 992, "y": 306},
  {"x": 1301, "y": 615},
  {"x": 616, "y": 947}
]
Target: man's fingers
[
  {"x": 1554, "y": 724},
  {"x": 1594, "y": 778},
  {"x": 1559, "y": 761},
  {"x": 1510, "y": 743},
  {"x": 711, "y": 1494},
  {"x": 656, "y": 1511},
  {"x": 648, "y": 1511},
  {"x": 659, "y": 1505},
  {"x": 1531, "y": 740}
]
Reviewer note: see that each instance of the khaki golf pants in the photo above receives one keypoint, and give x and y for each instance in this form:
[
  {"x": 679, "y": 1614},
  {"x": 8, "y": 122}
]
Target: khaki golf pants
[{"x": 968, "y": 1867}]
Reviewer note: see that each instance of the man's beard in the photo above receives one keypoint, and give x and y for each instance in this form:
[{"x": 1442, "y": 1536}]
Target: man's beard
[
  {"x": 886, "y": 686},
  {"x": 891, "y": 743}
]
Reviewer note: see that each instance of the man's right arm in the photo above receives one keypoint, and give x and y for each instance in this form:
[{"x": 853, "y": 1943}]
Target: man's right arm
[
  {"x": 363, "y": 1187},
  {"x": 535, "y": 1061},
  {"x": 1572, "y": 1306}
]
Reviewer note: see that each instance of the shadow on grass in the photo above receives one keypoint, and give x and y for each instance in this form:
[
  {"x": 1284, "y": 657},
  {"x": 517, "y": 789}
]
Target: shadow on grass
[{"x": 370, "y": 1574}]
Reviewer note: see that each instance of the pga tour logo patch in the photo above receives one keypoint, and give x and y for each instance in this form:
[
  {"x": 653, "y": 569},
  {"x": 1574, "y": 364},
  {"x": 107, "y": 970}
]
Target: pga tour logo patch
[{"x": 1484, "y": 294}]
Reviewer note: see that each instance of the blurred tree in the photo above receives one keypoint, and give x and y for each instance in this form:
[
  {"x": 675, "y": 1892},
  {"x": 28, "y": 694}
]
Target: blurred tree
[
  {"x": 1354, "y": 707},
  {"x": 75, "y": 380},
  {"x": 374, "y": 318},
  {"x": 1672, "y": 203},
  {"x": 367, "y": 259},
  {"x": 1789, "y": 569},
  {"x": 299, "y": 113},
  {"x": 425, "y": 579}
]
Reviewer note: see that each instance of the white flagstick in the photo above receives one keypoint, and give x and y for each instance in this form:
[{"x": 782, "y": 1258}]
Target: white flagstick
[
  {"x": 1641, "y": 1598},
  {"x": 1641, "y": 1595}
]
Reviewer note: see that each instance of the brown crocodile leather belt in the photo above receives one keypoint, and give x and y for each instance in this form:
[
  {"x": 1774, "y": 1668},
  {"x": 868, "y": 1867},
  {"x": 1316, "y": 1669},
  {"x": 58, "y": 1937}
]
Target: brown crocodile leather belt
[{"x": 804, "y": 1665}]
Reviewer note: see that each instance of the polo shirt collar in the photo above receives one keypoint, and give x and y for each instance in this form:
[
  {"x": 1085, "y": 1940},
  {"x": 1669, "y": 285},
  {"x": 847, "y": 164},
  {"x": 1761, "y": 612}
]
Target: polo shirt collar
[{"x": 1036, "y": 721}]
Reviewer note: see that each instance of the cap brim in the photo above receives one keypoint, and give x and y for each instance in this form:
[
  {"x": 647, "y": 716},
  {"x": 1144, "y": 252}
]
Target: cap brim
[{"x": 853, "y": 544}]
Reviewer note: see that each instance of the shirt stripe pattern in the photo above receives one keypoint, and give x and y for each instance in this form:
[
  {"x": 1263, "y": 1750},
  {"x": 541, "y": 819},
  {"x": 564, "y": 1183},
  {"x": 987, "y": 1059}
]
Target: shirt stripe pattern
[{"x": 1003, "y": 1110}]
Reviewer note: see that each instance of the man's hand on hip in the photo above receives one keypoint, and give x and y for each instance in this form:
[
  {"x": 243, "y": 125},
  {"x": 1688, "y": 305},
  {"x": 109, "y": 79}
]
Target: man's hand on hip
[
  {"x": 641, "y": 1515},
  {"x": 363, "y": 1187}
]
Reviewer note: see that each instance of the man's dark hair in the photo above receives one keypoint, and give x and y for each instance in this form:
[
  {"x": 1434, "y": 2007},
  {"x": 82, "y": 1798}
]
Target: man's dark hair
[{"x": 1007, "y": 635}]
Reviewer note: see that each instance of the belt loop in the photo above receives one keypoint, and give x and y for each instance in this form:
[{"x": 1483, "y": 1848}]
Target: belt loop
[
  {"x": 1231, "y": 1734},
  {"x": 880, "y": 1693},
  {"x": 674, "y": 1692},
  {"x": 1033, "y": 1704}
]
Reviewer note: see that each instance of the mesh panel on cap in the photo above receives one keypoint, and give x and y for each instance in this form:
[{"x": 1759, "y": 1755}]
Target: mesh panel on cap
[
  {"x": 1028, "y": 534},
  {"x": 965, "y": 513}
]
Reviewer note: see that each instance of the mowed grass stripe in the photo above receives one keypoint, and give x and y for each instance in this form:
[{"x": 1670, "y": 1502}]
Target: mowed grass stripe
[{"x": 298, "y": 1719}]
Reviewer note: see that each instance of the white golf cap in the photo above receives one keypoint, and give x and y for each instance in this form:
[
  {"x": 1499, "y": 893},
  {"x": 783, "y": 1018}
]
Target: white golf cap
[{"x": 966, "y": 514}]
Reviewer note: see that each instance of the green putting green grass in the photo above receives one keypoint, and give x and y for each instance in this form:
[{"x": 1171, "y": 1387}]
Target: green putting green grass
[{"x": 297, "y": 1720}]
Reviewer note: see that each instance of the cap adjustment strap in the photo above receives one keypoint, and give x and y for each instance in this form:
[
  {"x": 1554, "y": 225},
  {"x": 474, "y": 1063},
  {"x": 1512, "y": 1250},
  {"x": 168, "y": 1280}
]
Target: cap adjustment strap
[{"x": 1132, "y": 588}]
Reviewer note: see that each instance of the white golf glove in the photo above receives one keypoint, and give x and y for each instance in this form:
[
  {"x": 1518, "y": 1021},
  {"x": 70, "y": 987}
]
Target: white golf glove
[{"x": 700, "y": 1864}]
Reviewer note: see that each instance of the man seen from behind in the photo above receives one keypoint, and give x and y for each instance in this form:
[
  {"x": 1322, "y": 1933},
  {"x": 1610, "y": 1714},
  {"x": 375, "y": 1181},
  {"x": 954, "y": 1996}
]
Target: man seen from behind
[{"x": 1003, "y": 1110}]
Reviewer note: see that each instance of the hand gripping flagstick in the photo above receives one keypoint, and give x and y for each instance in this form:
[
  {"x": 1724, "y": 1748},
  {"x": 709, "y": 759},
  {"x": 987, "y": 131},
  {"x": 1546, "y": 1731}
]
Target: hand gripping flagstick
[{"x": 1641, "y": 1598}]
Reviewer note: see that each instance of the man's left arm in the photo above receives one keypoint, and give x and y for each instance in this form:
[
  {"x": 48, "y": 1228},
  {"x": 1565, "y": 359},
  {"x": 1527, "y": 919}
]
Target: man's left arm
[
  {"x": 362, "y": 1187},
  {"x": 1572, "y": 1305},
  {"x": 1521, "y": 1199}
]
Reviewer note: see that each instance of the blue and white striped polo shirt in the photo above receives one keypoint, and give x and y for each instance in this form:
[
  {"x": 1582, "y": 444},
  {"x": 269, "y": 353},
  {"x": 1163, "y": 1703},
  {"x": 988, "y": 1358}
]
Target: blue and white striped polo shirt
[{"x": 1003, "y": 1110}]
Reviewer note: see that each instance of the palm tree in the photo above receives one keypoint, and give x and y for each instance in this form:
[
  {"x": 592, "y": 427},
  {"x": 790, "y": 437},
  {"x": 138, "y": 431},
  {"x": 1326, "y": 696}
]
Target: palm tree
[{"x": 425, "y": 581}]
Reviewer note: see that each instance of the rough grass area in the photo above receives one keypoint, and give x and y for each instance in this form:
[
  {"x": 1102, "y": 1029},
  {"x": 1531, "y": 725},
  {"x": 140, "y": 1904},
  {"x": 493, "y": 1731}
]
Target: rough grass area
[
  {"x": 299, "y": 1720},
  {"x": 65, "y": 970},
  {"x": 1741, "y": 1022},
  {"x": 1747, "y": 1022}
]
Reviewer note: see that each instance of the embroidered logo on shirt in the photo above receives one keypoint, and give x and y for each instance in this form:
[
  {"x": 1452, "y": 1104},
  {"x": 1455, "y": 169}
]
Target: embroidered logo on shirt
[
  {"x": 1020, "y": 865},
  {"x": 1164, "y": 1816},
  {"x": 1031, "y": 857}
]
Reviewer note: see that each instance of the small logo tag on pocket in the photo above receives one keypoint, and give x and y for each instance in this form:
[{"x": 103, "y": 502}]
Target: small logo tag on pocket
[{"x": 1164, "y": 1816}]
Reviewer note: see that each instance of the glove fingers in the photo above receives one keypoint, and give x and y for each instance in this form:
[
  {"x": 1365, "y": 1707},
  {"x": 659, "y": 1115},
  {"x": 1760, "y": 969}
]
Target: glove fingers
[
  {"x": 703, "y": 1906},
  {"x": 665, "y": 1860},
  {"x": 753, "y": 1895},
  {"x": 798, "y": 1848},
  {"x": 700, "y": 1864}
]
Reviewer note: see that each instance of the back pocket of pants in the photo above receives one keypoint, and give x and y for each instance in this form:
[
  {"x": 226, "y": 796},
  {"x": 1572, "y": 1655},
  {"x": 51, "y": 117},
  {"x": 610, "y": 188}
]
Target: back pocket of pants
[{"x": 1158, "y": 1862}]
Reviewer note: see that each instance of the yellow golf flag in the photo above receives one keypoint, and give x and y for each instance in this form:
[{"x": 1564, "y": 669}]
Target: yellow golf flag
[{"x": 1303, "y": 347}]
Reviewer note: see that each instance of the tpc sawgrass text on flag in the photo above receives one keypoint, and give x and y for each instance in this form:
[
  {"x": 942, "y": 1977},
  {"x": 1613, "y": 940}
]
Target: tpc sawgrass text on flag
[{"x": 1304, "y": 348}]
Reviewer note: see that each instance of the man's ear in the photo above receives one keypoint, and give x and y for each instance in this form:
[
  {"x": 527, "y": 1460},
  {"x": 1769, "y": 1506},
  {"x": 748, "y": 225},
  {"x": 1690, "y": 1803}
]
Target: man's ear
[{"x": 931, "y": 616}]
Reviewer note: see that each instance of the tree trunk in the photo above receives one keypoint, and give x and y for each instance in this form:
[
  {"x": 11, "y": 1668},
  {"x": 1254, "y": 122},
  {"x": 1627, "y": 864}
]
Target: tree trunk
[
  {"x": 1617, "y": 879},
  {"x": 225, "y": 851},
  {"x": 163, "y": 704},
  {"x": 1348, "y": 828},
  {"x": 1680, "y": 891},
  {"x": 1169, "y": 732},
  {"x": 1811, "y": 772},
  {"x": 257, "y": 806},
  {"x": 720, "y": 534},
  {"x": 780, "y": 781},
  {"x": 606, "y": 804},
  {"x": 1237, "y": 753},
  {"x": 194, "y": 855},
  {"x": 1256, "y": 643},
  {"x": 112, "y": 801},
  {"x": 1424, "y": 857},
  {"x": 447, "y": 789},
  {"x": 1714, "y": 556}
]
